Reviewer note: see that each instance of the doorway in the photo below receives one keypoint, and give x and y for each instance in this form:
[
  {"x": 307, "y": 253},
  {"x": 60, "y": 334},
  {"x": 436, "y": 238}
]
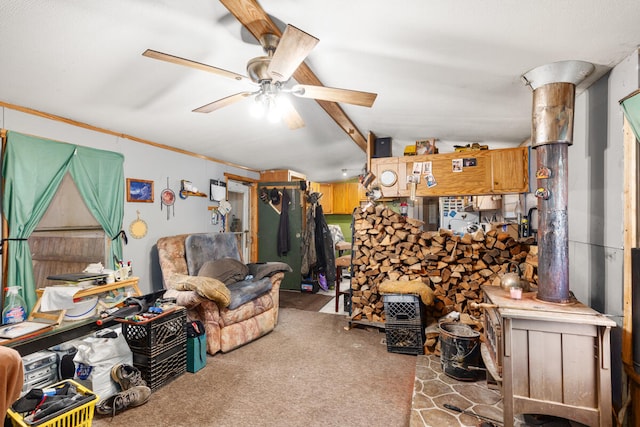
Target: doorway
[{"x": 238, "y": 194}]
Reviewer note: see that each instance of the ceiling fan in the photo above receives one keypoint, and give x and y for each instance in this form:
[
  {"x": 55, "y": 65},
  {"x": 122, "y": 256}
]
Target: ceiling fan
[{"x": 271, "y": 74}]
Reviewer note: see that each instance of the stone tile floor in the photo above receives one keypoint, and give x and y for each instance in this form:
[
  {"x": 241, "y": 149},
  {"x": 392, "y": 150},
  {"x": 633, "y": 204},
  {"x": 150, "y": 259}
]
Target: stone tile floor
[{"x": 433, "y": 389}]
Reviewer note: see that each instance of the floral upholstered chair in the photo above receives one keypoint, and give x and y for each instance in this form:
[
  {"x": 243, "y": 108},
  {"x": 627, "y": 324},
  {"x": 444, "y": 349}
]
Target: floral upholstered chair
[{"x": 236, "y": 302}]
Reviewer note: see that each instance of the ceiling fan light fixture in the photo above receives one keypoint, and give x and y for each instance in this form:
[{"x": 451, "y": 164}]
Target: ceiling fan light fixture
[
  {"x": 273, "y": 115},
  {"x": 257, "y": 108}
]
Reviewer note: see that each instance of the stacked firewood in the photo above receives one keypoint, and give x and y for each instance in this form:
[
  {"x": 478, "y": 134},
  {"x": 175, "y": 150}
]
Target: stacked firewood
[{"x": 388, "y": 246}]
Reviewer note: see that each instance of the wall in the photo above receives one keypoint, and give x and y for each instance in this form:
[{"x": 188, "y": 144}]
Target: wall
[
  {"x": 596, "y": 223},
  {"x": 596, "y": 164},
  {"x": 344, "y": 221},
  {"x": 147, "y": 162}
]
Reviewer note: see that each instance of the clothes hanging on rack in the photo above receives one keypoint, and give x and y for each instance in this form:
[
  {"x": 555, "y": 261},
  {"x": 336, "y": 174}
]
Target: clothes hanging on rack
[
  {"x": 326, "y": 263},
  {"x": 308, "y": 249}
]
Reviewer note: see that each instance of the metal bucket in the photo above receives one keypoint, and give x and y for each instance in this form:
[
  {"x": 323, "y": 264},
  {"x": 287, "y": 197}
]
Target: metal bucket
[{"x": 459, "y": 351}]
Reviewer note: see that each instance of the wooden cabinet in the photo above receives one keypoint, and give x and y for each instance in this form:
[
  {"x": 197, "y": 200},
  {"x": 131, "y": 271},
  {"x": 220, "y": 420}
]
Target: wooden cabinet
[
  {"x": 281, "y": 175},
  {"x": 345, "y": 197},
  {"x": 340, "y": 197},
  {"x": 510, "y": 170},
  {"x": 482, "y": 172},
  {"x": 314, "y": 187},
  {"x": 327, "y": 198},
  {"x": 391, "y": 176}
]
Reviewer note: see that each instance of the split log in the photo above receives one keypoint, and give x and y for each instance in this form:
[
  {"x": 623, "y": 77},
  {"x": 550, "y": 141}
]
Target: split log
[{"x": 388, "y": 246}]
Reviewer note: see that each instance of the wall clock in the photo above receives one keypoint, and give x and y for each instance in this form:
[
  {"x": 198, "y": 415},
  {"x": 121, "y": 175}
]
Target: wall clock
[{"x": 388, "y": 178}]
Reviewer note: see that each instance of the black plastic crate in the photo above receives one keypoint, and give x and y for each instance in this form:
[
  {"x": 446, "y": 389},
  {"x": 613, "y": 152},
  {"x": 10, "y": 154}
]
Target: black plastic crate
[
  {"x": 347, "y": 302},
  {"x": 159, "y": 370},
  {"x": 405, "y": 339},
  {"x": 403, "y": 309},
  {"x": 157, "y": 335}
]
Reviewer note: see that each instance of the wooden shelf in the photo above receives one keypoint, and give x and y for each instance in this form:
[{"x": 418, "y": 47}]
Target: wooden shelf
[{"x": 184, "y": 194}]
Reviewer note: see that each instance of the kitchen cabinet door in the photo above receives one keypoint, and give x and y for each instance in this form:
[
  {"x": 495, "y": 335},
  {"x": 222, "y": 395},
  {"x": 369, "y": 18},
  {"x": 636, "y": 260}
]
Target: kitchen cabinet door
[
  {"x": 340, "y": 198},
  {"x": 472, "y": 178},
  {"x": 327, "y": 198},
  {"x": 510, "y": 170},
  {"x": 346, "y": 197}
]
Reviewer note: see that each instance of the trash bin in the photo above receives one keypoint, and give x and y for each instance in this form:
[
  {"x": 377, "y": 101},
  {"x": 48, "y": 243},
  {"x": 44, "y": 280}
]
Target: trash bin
[{"x": 459, "y": 351}]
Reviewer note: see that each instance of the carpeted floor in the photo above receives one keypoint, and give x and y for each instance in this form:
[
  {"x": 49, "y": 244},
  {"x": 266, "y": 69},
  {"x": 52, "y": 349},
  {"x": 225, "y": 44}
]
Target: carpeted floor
[
  {"x": 309, "y": 371},
  {"x": 303, "y": 300}
]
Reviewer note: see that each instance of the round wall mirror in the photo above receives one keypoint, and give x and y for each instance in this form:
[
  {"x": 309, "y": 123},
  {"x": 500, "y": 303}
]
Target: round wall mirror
[{"x": 388, "y": 178}]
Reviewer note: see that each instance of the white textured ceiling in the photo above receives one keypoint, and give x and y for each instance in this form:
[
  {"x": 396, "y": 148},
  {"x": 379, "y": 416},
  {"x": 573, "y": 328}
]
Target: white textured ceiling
[{"x": 444, "y": 69}]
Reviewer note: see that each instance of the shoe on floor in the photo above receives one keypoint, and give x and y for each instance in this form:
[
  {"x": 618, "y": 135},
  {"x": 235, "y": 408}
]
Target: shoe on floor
[
  {"x": 135, "y": 396},
  {"x": 127, "y": 376}
]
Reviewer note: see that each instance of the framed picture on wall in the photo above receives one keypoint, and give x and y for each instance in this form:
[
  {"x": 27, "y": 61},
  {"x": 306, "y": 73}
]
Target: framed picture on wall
[{"x": 139, "y": 190}]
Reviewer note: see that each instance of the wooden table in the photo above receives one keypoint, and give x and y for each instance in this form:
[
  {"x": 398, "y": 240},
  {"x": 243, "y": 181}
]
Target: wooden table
[
  {"x": 556, "y": 358},
  {"x": 56, "y": 316}
]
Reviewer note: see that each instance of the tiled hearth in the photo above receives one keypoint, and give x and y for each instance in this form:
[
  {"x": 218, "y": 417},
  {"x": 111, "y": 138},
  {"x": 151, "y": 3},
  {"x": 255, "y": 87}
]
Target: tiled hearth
[{"x": 433, "y": 388}]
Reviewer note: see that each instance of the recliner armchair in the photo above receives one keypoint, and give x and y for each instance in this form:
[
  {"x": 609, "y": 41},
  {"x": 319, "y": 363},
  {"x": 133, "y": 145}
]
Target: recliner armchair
[{"x": 233, "y": 315}]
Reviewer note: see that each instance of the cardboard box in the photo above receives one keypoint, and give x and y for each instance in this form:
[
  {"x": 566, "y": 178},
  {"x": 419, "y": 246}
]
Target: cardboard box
[{"x": 506, "y": 227}]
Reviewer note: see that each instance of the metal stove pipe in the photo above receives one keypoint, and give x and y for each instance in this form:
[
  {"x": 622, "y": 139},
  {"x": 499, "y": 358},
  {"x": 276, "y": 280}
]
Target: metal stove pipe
[{"x": 551, "y": 134}]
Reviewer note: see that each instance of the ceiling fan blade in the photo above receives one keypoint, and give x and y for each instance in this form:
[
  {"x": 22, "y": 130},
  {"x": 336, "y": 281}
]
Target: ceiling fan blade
[
  {"x": 255, "y": 19},
  {"x": 223, "y": 102},
  {"x": 293, "y": 48},
  {"x": 365, "y": 99},
  {"x": 150, "y": 53},
  {"x": 291, "y": 117}
]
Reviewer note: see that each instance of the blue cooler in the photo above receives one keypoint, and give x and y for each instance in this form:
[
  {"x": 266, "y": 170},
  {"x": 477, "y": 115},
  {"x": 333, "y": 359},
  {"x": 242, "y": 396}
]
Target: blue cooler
[{"x": 196, "y": 346}]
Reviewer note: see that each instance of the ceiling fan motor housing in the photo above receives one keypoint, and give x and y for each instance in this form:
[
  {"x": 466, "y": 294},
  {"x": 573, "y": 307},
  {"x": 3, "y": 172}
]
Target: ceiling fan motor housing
[
  {"x": 269, "y": 43},
  {"x": 257, "y": 69}
]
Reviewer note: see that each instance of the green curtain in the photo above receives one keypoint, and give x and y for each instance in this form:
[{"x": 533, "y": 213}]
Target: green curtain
[
  {"x": 99, "y": 176},
  {"x": 631, "y": 109},
  {"x": 33, "y": 169}
]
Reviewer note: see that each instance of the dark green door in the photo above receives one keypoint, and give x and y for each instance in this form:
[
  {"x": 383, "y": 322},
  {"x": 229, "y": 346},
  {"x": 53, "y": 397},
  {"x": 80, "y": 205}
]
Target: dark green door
[{"x": 268, "y": 225}]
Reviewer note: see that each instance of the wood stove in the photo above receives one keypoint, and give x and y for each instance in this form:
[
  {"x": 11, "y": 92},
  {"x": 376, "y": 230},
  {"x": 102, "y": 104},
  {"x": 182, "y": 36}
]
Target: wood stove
[
  {"x": 550, "y": 353},
  {"x": 551, "y": 359}
]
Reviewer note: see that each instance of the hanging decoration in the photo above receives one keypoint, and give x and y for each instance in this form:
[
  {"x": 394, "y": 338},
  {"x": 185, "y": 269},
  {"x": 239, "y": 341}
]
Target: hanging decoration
[
  {"x": 223, "y": 209},
  {"x": 168, "y": 199},
  {"x": 138, "y": 228}
]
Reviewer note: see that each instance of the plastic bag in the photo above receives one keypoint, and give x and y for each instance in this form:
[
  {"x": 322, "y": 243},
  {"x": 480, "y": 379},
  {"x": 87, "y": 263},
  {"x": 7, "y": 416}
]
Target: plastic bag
[
  {"x": 95, "y": 358},
  {"x": 322, "y": 280}
]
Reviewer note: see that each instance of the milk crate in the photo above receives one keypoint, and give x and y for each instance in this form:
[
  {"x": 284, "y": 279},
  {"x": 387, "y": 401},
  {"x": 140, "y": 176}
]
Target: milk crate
[
  {"x": 403, "y": 309},
  {"x": 159, "y": 370},
  {"x": 158, "y": 334},
  {"x": 405, "y": 339}
]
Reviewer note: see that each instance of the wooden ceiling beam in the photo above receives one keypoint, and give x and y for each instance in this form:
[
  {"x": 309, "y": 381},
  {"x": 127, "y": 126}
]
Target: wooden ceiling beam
[{"x": 255, "y": 19}]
